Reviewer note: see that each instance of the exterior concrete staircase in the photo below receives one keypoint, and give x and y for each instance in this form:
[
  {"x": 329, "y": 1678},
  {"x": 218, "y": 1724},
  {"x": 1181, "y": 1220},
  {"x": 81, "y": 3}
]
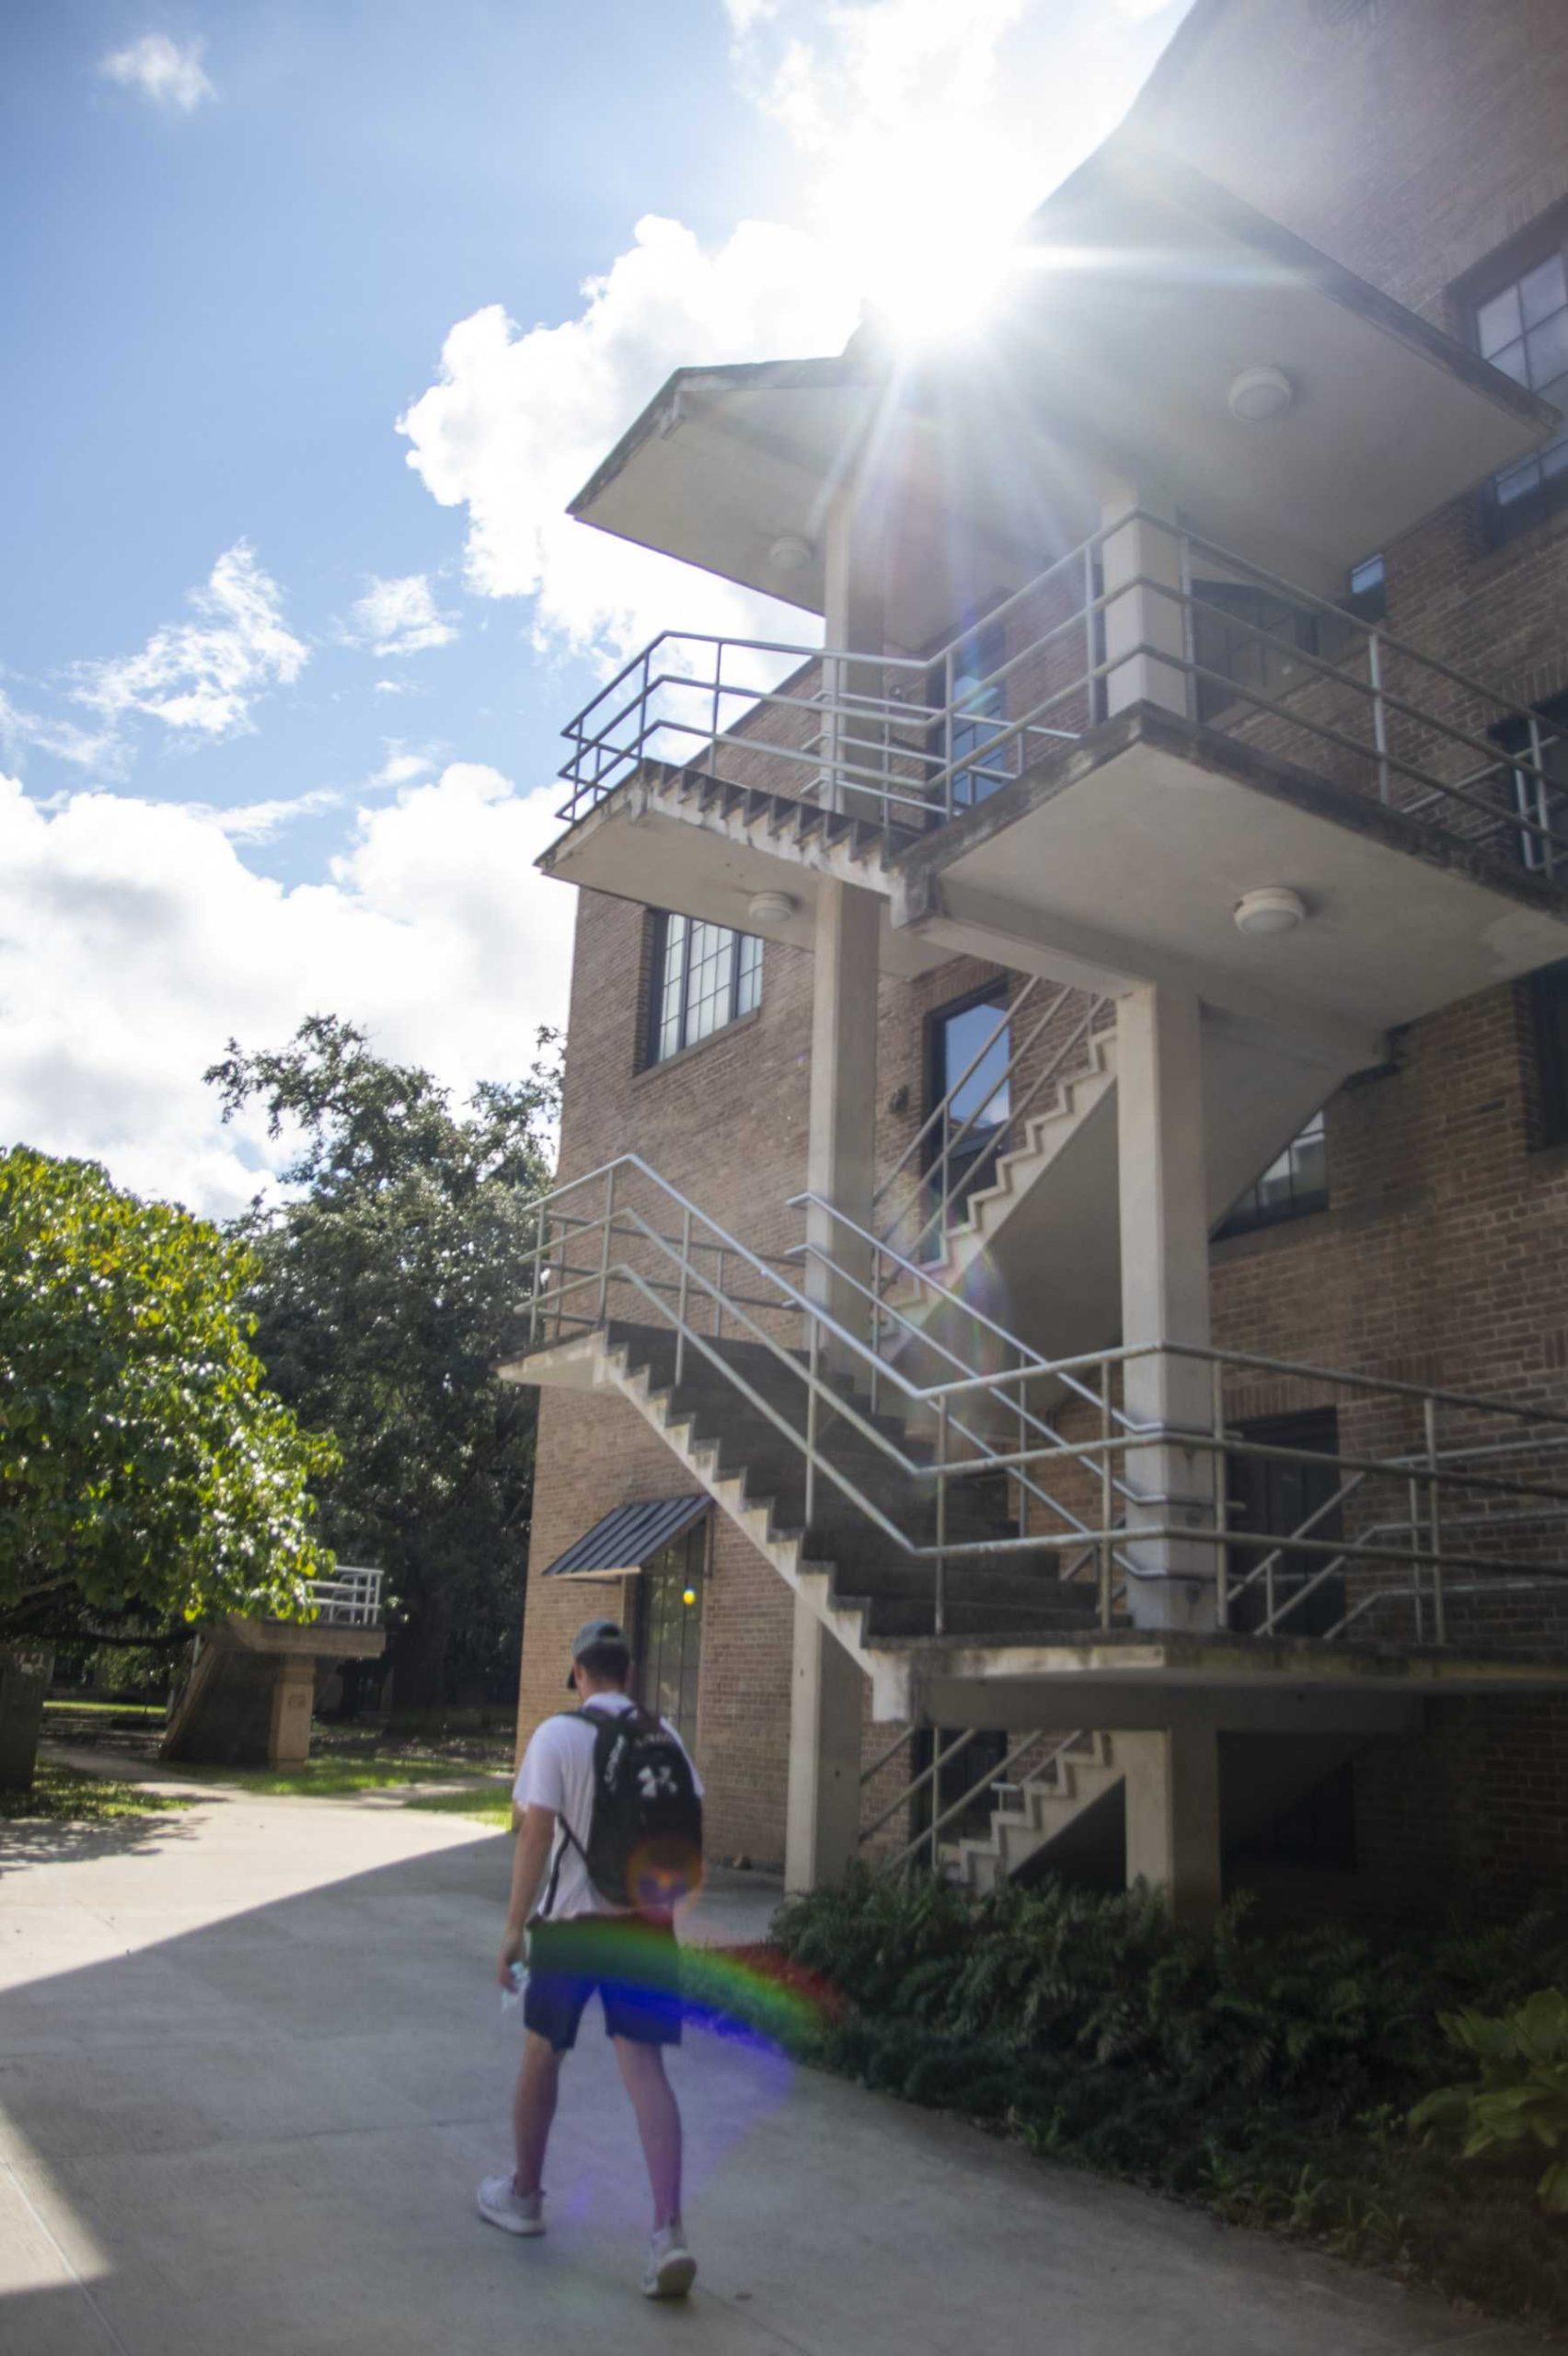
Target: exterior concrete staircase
[
  {"x": 1075, "y": 1775},
  {"x": 1058, "y": 1806},
  {"x": 876, "y": 1598}
]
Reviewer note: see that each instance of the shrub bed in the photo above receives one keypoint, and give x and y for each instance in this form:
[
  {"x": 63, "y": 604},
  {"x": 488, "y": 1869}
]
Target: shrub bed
[{"x": 1267, "y": 2074}]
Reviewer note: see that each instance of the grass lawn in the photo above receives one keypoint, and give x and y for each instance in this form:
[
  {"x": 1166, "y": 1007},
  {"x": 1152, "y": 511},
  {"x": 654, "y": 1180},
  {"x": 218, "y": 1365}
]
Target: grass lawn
[
  {"x": 64, "y": 1795},
  {"x": 491, "y": 1806},
  {"x": 69, "y": 1709},
  {"x": 334, "y": 1776}
]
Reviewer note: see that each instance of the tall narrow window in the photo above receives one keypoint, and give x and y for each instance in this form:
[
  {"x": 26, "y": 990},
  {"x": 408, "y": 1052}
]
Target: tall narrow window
[
  {"x": 978, "y": 713},
  {"x": 1521, "y": 326},
  {"x": 704, "y": 976},
  {"x": 1296, "y": 1183},
  {"x": 1549, "y": 1004},
  {"x": 968, "y": 1084}
]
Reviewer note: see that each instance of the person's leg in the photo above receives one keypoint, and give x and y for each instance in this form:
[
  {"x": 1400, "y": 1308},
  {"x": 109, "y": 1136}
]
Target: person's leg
[
  {"x": 533, "y": 2110},
  {"x": 658, "y": 2124}
]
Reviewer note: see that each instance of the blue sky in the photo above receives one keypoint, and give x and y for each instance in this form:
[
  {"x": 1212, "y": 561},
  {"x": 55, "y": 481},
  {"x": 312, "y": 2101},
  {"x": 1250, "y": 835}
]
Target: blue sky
[{"x": 319, "y": 314}]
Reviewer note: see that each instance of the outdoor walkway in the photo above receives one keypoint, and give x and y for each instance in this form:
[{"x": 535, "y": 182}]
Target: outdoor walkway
[{"x": 251, "y": 2064}]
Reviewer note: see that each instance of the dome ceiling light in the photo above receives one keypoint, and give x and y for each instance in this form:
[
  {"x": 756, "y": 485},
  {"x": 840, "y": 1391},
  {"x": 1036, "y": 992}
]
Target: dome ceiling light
[
  {"x": 1273, "y": 909},
  {"x": 1260, "y": 394},
  {"x": 771, "y": 908},
  {"x": 790, "y": 554}
]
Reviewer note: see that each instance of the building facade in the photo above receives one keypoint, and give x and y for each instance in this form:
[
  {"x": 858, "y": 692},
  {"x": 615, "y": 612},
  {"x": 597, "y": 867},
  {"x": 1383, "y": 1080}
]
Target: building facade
[{"x": 1065, "y": 1154}]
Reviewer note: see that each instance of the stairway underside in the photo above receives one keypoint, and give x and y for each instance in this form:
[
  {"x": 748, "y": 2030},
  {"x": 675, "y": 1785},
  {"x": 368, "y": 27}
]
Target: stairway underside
[{"x": 1023, "y": 1649}]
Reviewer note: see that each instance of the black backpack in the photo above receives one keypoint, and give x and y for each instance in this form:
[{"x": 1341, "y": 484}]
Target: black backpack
[{"x": 645, "y": 1836}]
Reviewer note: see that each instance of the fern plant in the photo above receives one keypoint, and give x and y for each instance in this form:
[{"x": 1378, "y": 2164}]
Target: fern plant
[{"x": 1519, "y": 2098}]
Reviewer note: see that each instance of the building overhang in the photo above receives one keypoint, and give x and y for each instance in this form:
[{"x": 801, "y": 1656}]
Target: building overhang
[
  {"x": 1131, "y": 1679},
  {"x": 1122, "y": 859},
  {"x": 1143, "y": 292}
]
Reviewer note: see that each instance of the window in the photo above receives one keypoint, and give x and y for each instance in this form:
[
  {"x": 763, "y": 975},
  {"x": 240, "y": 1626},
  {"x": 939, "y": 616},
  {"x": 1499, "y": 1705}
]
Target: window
[
  {"x": 1274, "y": 1497},
  {"x": 1549, "y": 1005},
  {"x": 972, "y": 1032},
  {"x": 669, "y": 1629},
  {"x": 1298, "y": 1183},
  {"x": 704, "y": 976},
  {"x": 1542, "y": 799},
  {"x": 979, "y": 711},
  {"x": 1367, "y": 590},
  {"x": 1227, "y": 616},
  {"x": 1521, "y": 326}
]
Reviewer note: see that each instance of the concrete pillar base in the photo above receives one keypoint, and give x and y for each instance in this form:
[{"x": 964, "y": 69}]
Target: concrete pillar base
[
  {"x": 826, "y": 1700},
  {"x": 1172, "y": 1812}
]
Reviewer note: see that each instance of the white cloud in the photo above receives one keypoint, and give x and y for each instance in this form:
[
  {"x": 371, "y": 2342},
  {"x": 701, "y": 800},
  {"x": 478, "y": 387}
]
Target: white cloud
[
  {"x": 400, "y": 616},
  {"x": 203, "y": 676},
  {"x": 134, "y": 941},
  {"x": 924, "y": 132},
  {"x": 261, "y": 822},
  {"x": 172, "y": 74},
  {"x": 519, "y": 419},
  {"x": 85, "y": 748}
]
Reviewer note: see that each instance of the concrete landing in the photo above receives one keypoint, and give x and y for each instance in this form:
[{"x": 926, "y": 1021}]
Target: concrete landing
[{"x": 252, "y": 2061}]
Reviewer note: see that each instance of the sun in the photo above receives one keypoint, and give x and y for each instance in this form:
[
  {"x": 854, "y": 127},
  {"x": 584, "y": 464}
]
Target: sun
[{"x": 927, "y": 229}]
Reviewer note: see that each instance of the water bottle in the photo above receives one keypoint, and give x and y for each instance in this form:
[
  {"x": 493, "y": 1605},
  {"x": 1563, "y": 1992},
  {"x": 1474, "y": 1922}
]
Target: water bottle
[{"x": 511, "y": 1994}]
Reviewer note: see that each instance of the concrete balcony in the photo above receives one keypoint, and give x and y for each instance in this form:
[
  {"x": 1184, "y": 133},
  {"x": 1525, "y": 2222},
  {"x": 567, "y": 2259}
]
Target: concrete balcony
[{"x": 1165, "y": 731}]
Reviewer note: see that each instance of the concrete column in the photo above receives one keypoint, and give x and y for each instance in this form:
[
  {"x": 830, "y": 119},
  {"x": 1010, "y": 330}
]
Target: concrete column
[
  {"x": 854, "y": 621},
  {"x": 294, "y": 1693},
  {"x": 826, "y": 1686},
  {"x": 841, "y": 1144},
  {"x": 823, "y": 1812},
  {"x": 1134, "y": 554},
  {"x": 1171, "y": 1792},
  {"x": 1165, "y": 1297}
]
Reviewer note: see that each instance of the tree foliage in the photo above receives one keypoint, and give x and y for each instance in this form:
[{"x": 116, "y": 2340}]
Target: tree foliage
[
  {"x": 390, "y": 1283},
  {"x": 145, "y": 1468}
]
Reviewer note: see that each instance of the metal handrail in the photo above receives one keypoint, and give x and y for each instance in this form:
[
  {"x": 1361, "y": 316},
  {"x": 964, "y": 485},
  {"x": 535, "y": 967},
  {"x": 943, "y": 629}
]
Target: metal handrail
[
  {"x": 610, "y": 738},
  {"x": 1424, "y": 1539}
]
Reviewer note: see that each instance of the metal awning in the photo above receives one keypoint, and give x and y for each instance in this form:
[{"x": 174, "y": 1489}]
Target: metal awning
[{"x": 625, "y": 1537}]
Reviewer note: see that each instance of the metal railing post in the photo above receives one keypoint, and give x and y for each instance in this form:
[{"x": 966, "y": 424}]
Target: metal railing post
[
  {"x": 685, "y": 1279},
  {"x": 940, "y": 1618},
  {"x": 1088, "y": 694},
  {"x": 1435, "y": 1521},
  {"x": 605, "y": 1253},
  {"x": 538, "y": 1265},
  {"x": 1221, "y": 1503},
  {"x": 1107, "y": 1495},
  {"x": 814, "y": 1363},
  {"x": 1543, "y": 799},
  {"x": 1188, "y": 631},
  {"x": 1417, "y": 1594},
  {"x": 719, "y": 1295},
  {"x": 1380, "y": 715}
]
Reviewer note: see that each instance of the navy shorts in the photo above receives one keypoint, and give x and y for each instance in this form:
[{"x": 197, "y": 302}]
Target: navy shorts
[{"x": 634, "y": 1965}]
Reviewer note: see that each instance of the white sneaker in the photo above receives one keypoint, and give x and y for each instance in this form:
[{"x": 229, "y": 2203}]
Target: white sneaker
[
  {"x": 515, "y": 2212},
  {"x": 671, "y": 2270}
]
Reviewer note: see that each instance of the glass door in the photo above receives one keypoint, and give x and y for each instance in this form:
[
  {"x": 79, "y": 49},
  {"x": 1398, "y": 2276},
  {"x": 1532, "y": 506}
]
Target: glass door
[{"x": 669, "y": 1629}]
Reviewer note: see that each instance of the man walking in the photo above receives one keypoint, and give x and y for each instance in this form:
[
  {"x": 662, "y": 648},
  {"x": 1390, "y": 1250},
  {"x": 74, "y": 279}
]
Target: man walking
[{"x": 579, "y": 1941}]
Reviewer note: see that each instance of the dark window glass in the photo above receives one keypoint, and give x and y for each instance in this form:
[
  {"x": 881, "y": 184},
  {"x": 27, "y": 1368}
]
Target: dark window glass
[
  {"x": 704, "y": 976},
  {"x": 1367, "y": 593},
  {"x": 1275, "y": 1497},
  {"x": 1540, "y": 792},
  {"x": 1521, "y": 326},
  {"x": 669, "y": 1629},
  {"x": 979, "y": 711},
  {"x": 1296, "y": 1183},
  {"x": 970, "y": 1050},
  {"x": 1250, "y": 637}
]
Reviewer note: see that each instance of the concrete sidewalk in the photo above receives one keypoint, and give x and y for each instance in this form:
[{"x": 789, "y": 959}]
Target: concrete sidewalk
[{"x": 252, "y": 2063}]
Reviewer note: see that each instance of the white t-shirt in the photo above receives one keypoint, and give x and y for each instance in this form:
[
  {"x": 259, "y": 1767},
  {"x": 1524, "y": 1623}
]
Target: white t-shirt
[{"x": 558, "y": 1773}]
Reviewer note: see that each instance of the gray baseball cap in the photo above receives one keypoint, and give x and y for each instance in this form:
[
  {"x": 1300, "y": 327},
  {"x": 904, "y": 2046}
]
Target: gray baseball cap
[{"x": 594, "y": 1631}]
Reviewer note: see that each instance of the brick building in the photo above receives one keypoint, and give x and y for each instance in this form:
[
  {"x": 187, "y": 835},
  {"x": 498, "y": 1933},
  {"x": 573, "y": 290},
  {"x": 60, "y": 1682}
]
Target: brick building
[{"x": 1055, "y": 1326}]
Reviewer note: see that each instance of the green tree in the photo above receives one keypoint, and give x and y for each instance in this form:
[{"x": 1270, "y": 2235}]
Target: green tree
[
  {"x": 391, "y": 1281},
  {"x": 147, "y": 1474}
]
